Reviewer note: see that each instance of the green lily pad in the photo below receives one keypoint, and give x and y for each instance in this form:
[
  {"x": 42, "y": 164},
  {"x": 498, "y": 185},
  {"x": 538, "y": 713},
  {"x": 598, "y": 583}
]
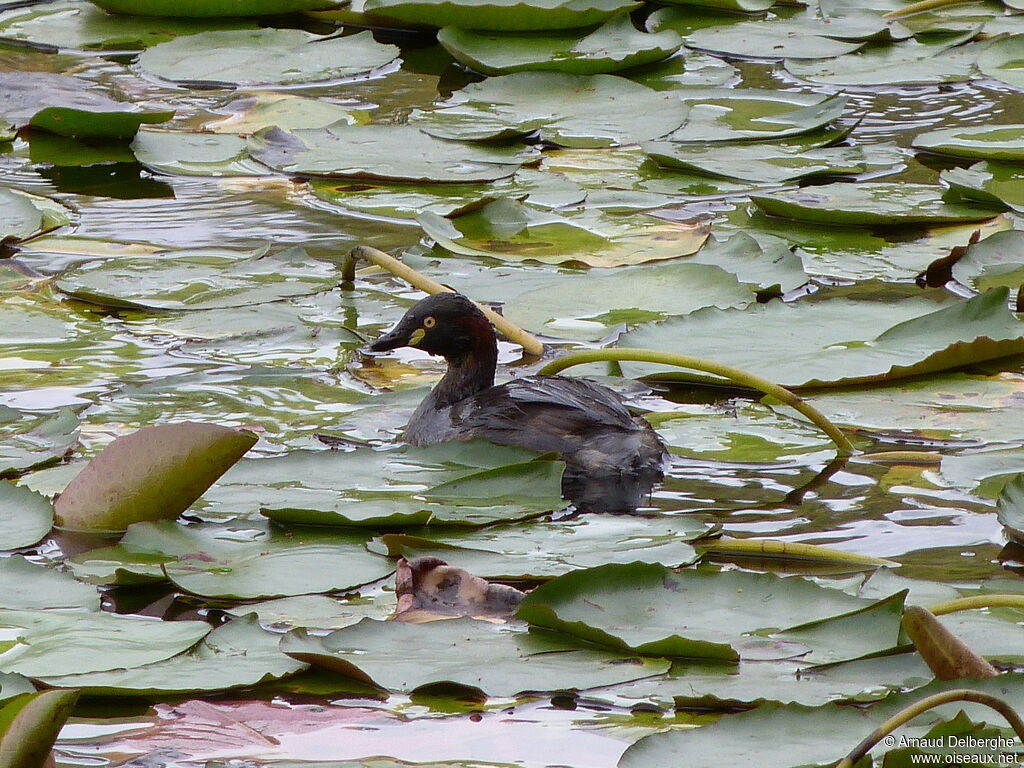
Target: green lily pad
[
  {"x": 615, "y": 45},
  {"x": 473, "y": 654},
  {"x": 1011, "y": 507},
  {"x": 12, "y": 685},
  {"x": 740, "y": 114},
  {"x": 71, "y": 106},
  {"x": 567, "y": 110},
  {"x": 764, "y": 263},
  {"x": 258, "y": 110},
  {"x": 198, "y": 279},
  {"x": 25, "y": 516},
  {"x": 405, "y": 201},
  {"x": 118, "y": 566},
  {"x": 891, "y": 341},
  {"x": 988, "y": 142},
  {"x": 392, "y": 152},
  {"x": 37, "y": 587},
  {"x": 52, "y": 643},
  {"x": 505, "y": 229},
  {"x": 1002, "y": 59},
  {"x": 587, "y": 306},
  {"x": 637, "y": 607},
  {"x": 774, "y": 164},
  {"x": 931, "y": 60},
  {"x": 152, "y": 474},
  {"x": 7, "y": 131},
  {"x": 500, "y": 15},
  {"x": 210, "y": 8},
  {"x": 954, "y": 407},
  {"x": 778, "y": 38},
  {"x": 80, "y": 25},
  {"x": 317, "y": 611},
  {"x": 252, "y": 560},
  {"x": 195, "y": 154},
  {"x": 984, "y": 472},
  {"x": 531, "y": 551},
  {"x": 988, "y": 182},
  {"x": 31, "y": 443},
  {"x": 996, "y": 261},
  {"x": 744, "y": 6},
  {"x": 869, "y": 204},
  {"x": 694, "y": 69},
  {"x": 24, "y": 215},
  {"x": 264, "y": 57},
  {"x": 236, "y": 655}
]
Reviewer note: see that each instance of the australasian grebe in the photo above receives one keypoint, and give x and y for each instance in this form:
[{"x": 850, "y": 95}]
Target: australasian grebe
[{"x": 586, "y": 424}]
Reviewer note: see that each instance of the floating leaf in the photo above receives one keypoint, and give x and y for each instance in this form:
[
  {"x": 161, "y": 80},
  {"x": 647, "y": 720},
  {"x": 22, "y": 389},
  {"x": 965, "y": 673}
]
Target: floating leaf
[
  {"x": 588, "y": 305},
  {"x": 892, "y": 341},
  {"x": 996, "y": 261},
  {"x": 198, "y": 279},
  {"x": 777, "y": 38},
  {"x": 692, "y": 70},
  {"x": 505, "y": 229},
  {"x": 567, "y": 110},
  {"x": 37, "y": 587},
  {"x": 745, "y": 6},
  {"x": 70, "y": 106},
  {"x": 637, "y": 607},
  {"x": 874, "y": 204},
  {"x": 988, "y": 142},
  {"x": 1011, "y": 507},
  {"x": 615, "y": 45},
  {"x": 29, "y": 726},
  {"x": 235, "y": 655},
  {"x": 985, "y": 472},
  {"x": 473, "y": 654},
  {"x": 23, "y": 215},
  {"x": 25, "y": 516},
  {"x": 733, "y": 114},
  {"x": 288, "y": 112},
  {"x": 393, "y": 152},
  {"x": 766, "y": 163},
  {"x": 31, "y": 443},
  {"x": 502, "y": 15},
  {"x": 52, "y": 643},
  {"x": 264, "y": 57},
  {"x": 764, "y": 263},
  {"x": 317, "y": 611},
  {"x": 195, "y": 154},
  {"x": 988, "y": 182},
  {"x": 1002, "y": 59},
  {"x": 208, "y": 8},
  {"x": 152, "y": 474},
  {"x": 76, "y": 24},
  {"x": 528, "y": 551}
]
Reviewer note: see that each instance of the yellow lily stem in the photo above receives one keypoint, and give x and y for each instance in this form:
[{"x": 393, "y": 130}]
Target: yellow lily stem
[
  {"x": 977, "y": 601},
  {"x": 530, "y": 344},
  {"x": 918, "y": 7},
  {"x": 909, "y": 713},
  {"x": 736, "y": 375}
]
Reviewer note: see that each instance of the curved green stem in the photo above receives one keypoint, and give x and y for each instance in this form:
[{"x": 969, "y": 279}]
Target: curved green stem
[
  {"x": 918, "y": 7},
  {"x": 977, "y": 601},
  {"x": 909, "y": 713},
  {"x": 743, "y": 378}
]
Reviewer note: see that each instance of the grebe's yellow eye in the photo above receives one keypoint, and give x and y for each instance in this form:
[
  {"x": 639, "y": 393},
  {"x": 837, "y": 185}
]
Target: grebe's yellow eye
[{"x": 429, "y": 321}]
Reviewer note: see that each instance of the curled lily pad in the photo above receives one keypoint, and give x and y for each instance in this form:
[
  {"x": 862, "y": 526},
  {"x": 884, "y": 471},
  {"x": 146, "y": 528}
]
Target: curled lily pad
[
  {"x": 208, "y": 8},
  {"x": 501, "y": 15},
  {"x": 891, "y": 341},
  {"x": 70, "y": 106},
  {"x": 264, "y": 56},
  {"x": 25, "y": 516},
  {"x": 988, "y": 142},
  {"x": 692, "y": 69},
  {"x": 80, "y": 25},
  {"x": 473, "y": 654},
  {"x": 567, "y": 110},
  {"x": 990, "y": 182},
  {"x": 151, "y": 474},
  {"x": 1011, "y": 506},
  {"x": 769, "y": 163},
  {"x": 998, "y": 260},
  {"x": 393, "y": 152},
  {"x": 235, "y": 655},
  {"x": 874, "y": 204},
  {"x": 253, "y": 112},
  {"x": 505, "y": 229},
  {"x": 615, "y": 45},
  {"x": 1001, "y": 60},
  {"x": 195, "y": 154},
  {"x": 728, "y": 114},
  {"x": 37, "y": 587},
  {"x": 23, "y": 215}
]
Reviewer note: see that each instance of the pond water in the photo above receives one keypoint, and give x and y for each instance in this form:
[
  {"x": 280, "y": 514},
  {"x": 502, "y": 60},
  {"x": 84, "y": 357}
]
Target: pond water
[{"x": 158, "y": 344}]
